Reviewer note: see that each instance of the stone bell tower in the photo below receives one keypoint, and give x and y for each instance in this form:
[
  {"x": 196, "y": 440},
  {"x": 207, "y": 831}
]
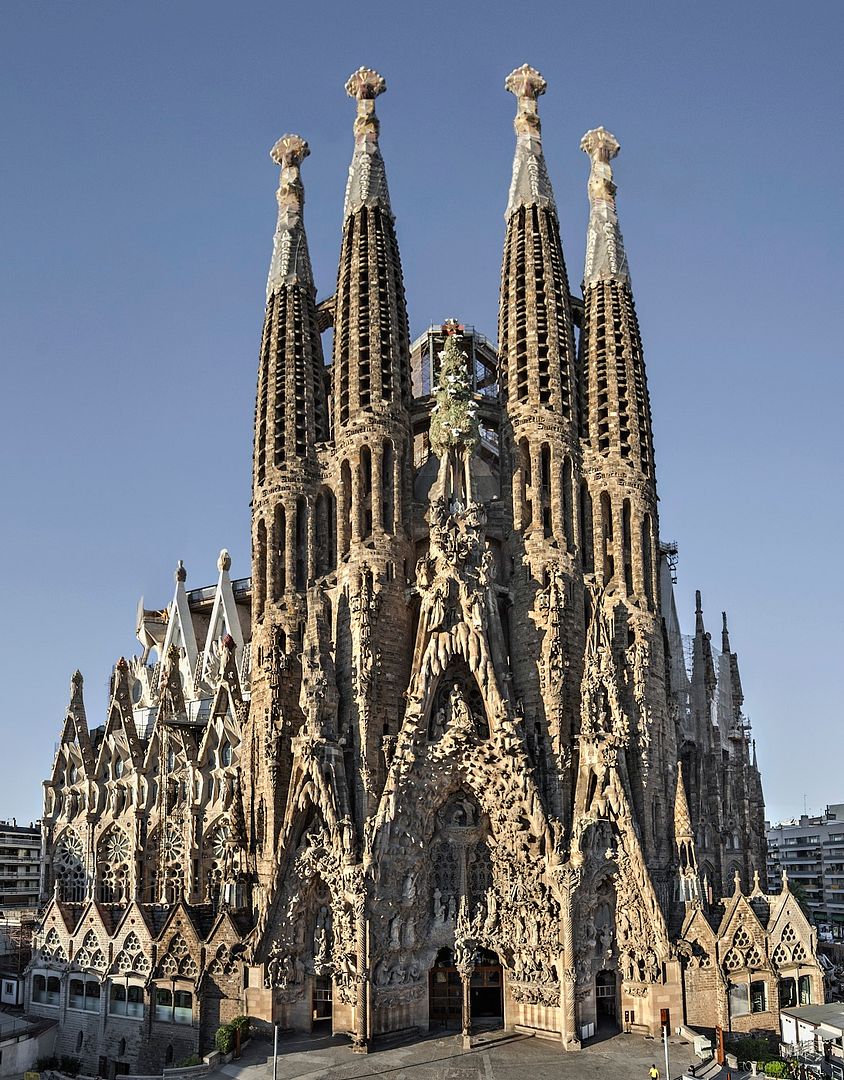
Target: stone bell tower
[
  {"x": 540, "y": 464},
  {"x": 290, "y": 423},
  {"x": 618, "y": 510}
]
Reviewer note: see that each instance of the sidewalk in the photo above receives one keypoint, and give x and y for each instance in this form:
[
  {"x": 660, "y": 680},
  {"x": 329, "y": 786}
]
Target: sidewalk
[{"x": 497, "y": 1056}]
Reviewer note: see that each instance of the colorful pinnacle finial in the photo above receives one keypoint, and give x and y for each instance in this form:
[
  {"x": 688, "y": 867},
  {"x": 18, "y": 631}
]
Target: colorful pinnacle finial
[
  {"x": 367, "y": 185},
  {"x": 290, "y": 262},
  {"x": 365, "y": 84},
  {"x": 530, "y": 185},
  {"x": 605, "y": 257}
]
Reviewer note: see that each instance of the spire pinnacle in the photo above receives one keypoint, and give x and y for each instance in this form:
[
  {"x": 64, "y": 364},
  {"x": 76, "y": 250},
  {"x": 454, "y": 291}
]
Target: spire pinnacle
[
  {"x": 682, "y": 817},
  {"x": 530, "y": 185},
  {"x": 725, "y": 634},
  {"x": 367, "y": 184},
  {"x": 699, "y": 627},
  {"x": 290, "y": 263},
  {"x": 605, "y": 256}
]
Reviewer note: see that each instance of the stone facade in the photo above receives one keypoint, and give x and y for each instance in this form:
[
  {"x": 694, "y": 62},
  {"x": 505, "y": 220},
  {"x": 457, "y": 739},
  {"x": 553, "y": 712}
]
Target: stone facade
[{"x": 442, "y": 761}]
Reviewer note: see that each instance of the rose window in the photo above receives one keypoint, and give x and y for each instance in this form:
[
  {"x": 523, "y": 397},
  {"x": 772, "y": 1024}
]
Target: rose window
[
  {"x": 69, "y": 868},
  {"x": 116, "y": 847},
  {"x": 172, "y": 845}
]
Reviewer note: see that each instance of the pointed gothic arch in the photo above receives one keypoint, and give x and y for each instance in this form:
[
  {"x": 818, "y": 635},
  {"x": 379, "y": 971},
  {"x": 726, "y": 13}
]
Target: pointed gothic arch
[
  {"x": 68, "y": 866},
  {"x": 114, "y": 860}
]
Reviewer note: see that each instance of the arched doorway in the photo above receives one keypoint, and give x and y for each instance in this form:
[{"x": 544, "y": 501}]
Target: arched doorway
[
  {"x": 486, "y": 996},
  {"x": 606, "y": 1001},
  {"x": 445, "y": 993}
]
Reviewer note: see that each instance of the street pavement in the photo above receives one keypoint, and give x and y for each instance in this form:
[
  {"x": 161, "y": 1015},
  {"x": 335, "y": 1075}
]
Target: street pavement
[{"x": 496, "y": 1056}]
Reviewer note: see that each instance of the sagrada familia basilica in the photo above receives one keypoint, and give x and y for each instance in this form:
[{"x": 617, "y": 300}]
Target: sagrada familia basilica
[{"x": 445, "y": 758}]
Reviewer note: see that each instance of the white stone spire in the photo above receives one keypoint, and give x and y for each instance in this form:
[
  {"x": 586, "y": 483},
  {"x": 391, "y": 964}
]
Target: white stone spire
[
  {"x": 290, "y": 263},
  {"x": 530, "y": 185},
  {"x": 367, "y": 184},
  {"x": 605, "y": 257}
]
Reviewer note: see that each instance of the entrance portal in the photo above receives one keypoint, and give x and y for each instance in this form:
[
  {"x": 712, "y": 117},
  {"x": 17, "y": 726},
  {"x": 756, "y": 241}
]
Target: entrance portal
[
  {"x": 486, "y": 998},
  {"x": 445, "y": 993},
  {"x": 605, "y": 1000},
  {"x": 322, "y": 1002}
]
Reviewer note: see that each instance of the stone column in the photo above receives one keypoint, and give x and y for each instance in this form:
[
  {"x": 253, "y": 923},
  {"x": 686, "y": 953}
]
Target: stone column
[
  {"x": 465, "y": 971},
  {"x": 312, "y": 540},
  {"x": 536, "y": 486},
  {"x": 558, "y": 524},
  {"x": 354, "y": 468},
  {"x": 569, "y": 881},
  {"x": 290, "y": 545},
  {"x": 377, "y": 494},
  {"x": 360, "y": 1038}
]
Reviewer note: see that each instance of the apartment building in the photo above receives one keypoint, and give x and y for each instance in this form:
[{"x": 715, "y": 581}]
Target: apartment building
[
  {"x": 811, "y": 851},
  {"x": 20, "y": 865}
]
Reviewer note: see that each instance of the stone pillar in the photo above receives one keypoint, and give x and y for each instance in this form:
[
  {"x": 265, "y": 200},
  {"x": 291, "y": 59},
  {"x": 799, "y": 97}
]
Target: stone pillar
[
  {"x": 312, "y": 540},
  {"x": 637, "y": 555},
  {"x": 465, "y": 971},
  {"x": 558, "y": 525},
  {"x": 569, "y": 882},
  {"x": 290, "y": 545},
  {"x": 360, "y": 1038},
  {"x": 354, "y": 468},
  {"x": 377, "y": 494},
  {"x": 536, "y": 486}
]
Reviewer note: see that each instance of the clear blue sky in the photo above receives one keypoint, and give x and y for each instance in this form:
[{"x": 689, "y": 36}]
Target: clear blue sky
[{"x": 136, "y": 217}]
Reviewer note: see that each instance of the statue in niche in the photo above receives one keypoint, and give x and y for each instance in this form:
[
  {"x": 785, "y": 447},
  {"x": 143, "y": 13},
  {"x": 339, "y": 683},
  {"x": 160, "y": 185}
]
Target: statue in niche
[
  {"x": 322, "y": 935},
  {"x": 395, "y": 931},
  {"x": 440, "y": 910},
  {"x": 408, "y": 892},
  {"x": 461, "y": 717}
]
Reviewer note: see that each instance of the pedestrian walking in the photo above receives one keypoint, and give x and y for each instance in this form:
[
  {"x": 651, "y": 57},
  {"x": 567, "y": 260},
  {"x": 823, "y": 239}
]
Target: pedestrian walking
[{"x": 653, "y": 1073}]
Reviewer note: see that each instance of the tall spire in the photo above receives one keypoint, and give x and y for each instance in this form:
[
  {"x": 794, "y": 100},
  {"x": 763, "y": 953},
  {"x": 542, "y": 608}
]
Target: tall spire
[
  {"x": 530, "y": 185},
  {"x": 290, "y": 263},
  {"x": 605, "y": 257},
  {"x": 615, "y": 411},
  {"x": 536, "y": 339},
  {"x": 725, "y": 634},
  {"x": 371, "y": 370},
  {"x": 290, "y": 412},
  {"x": 367, "y": 184}
]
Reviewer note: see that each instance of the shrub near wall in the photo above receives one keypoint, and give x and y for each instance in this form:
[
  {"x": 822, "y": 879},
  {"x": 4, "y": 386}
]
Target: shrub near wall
[{"x": 225, "y": 1037}]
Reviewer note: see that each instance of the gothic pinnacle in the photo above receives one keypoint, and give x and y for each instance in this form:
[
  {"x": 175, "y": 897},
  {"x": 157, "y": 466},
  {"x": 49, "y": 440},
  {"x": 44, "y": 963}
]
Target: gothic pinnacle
[
  {"x": 725, "y": 634},
  {"x": 530, "y": 185},
  {"x": 290, "y": 261},
  {"x": 605, "y": 257},
  {"x": 367, "y": 184}
]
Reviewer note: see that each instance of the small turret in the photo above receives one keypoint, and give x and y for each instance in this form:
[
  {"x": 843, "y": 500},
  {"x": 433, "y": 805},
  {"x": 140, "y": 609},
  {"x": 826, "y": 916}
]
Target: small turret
[{"x": 684, "y": 839}]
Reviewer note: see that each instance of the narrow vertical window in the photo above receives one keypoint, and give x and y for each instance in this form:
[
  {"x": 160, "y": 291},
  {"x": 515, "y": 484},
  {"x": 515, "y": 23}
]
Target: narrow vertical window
[
  {"x": 278, "y": 573},
  {"x": 365, "y": 485},
  {"x": 627, "y": 546}
]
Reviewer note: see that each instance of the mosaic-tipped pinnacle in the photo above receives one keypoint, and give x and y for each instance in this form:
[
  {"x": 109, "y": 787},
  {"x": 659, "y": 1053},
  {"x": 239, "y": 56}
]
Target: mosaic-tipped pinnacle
[
  {"x": 290, "y": 150},
  {"x": 525, "y": 82},
  {"x": 365, "y": 84}
]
